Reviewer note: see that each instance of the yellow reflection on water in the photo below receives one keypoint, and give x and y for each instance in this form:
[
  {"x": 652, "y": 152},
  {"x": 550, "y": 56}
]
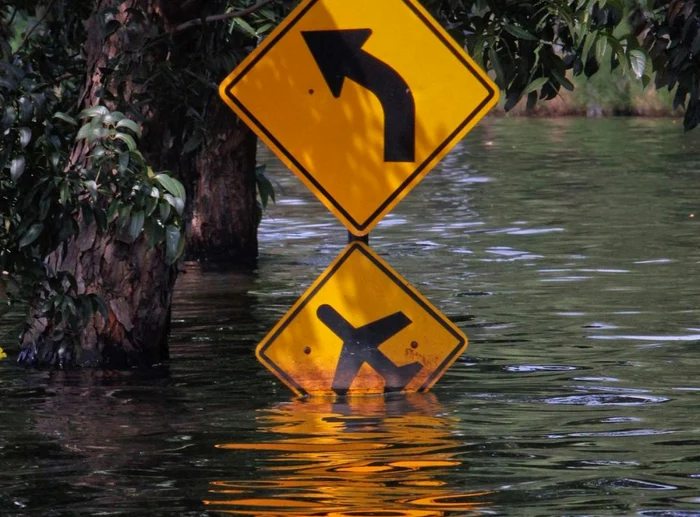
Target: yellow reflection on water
[{"x": 361, "y": 457}]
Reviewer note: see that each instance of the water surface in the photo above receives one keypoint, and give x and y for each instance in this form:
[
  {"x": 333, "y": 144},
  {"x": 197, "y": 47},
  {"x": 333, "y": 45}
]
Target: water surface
[{"x": 567, "y": 251}]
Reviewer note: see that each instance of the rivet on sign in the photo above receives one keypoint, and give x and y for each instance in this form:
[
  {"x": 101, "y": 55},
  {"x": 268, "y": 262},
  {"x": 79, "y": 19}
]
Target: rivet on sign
[
  {"x": 307, "y": 350},
  {"x": 311, "y": 91},
  {"x": 414, "y": 344}
]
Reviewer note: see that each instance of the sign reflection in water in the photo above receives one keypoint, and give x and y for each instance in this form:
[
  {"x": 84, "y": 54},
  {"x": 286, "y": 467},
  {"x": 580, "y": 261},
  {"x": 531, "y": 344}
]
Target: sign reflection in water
[{"x": 368, "y": 456}]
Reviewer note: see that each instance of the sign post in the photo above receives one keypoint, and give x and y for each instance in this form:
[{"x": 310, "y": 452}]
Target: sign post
[{"x": 360, "y": 99}]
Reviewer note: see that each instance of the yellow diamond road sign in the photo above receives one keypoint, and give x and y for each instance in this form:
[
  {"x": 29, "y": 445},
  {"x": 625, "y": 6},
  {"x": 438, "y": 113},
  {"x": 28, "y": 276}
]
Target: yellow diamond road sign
[
  {"x": 360, "y": 98},
  {"x": 372, "y": 335}
]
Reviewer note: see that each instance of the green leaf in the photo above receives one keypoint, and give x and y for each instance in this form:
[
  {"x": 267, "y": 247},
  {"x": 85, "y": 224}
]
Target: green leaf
[
  {"x": 164, "y": 210},
  {"x": 8, "y": 83},
  {"x": 265, "y": 188},
  {"x": 65, "y": 118},
  {"x": 695, "y": 47},
  {"x": 124, "y": 211},
  {"x": 94, "y": 111},
  {"x": 562, "y": 80},
  {"x": 127, "y": 139},
  {"x": 155, "y": 233},
  {"x": 68, "y": 305},
  {"x": 618, "y": 48},
  {"x": 531, "y": 101},
  {"x": 26, "y": 109},
  {"x": 478, "y": 52},
  {"x": 130, "y": 125},
  {"x": 246, "y": 27},
  {"x": 25, "y": 136},
  {"x": 64, "y": 193},
  {"x": 17, "y": 167},
  {"x": 497, "y": 68},
  {"x": 520, "y": 33},
  {"x": 31, "y": 235},
  {"x": 8, "y": 118},
  {"x": 123, "y": 161},
  {"x": 692, "y": 116},
  {"x": 136, "y": 225},
  {"x": 113, "y": 118},
  {"x": 112, "y": 210},
  {"x": 601, "y": 49},
  {"x": 84, "y": 132},
  {"x": 264, "y": 28},
  {"x": 111, "y": 27},
  {"x": 39, "y": 101},
  {"x": 638, "y": 62},
  {"x": 173, "y": 247},
  {"x": 171, "y": 185},
  {"x": 536, "y": 84},
  {"x": 177, "y": 203},
  {"x": 44, "y": 207},
  {"x": 150, "y": 205},
  {"x": 92, "y": 188}
]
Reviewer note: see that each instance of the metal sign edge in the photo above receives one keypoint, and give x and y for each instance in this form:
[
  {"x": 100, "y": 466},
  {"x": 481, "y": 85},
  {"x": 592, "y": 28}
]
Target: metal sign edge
[{"x": 462, "y": 341}]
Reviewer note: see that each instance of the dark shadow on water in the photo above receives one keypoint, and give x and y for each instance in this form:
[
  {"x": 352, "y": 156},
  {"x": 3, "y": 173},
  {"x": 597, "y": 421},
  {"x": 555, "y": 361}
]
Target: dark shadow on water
[{"x": 92, "y": 441}]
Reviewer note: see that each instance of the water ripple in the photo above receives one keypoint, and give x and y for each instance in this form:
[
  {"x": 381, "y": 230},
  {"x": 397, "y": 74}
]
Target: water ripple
[
  {"x": 606, "y": 399},
  {"x": 527, "y": 368}
]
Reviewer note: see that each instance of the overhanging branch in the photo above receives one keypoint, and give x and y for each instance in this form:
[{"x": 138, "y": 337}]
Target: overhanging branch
[{"x": 221, "y": 17}]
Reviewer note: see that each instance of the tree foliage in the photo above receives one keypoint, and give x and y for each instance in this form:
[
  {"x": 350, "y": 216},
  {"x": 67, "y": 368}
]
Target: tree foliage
[
  {"x": 46, "y": 196},
  {"x": 534, "y": 46}
]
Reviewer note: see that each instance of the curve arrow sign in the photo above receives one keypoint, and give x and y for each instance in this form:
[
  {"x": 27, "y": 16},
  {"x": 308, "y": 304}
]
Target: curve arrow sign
[{"x": 339, "y": 55}]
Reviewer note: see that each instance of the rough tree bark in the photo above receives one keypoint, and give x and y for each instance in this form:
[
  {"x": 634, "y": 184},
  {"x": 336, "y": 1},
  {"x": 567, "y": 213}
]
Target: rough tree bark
[{"x": 224, "y": 223}]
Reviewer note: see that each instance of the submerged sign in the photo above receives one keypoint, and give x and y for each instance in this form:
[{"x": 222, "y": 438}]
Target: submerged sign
[
  {"x": 361, "y": 328},
  {"x": 360, "y": 99}
]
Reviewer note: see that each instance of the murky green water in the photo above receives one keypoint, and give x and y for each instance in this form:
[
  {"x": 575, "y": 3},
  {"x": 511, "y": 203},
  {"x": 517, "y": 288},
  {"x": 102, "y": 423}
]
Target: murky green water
[{"x": 564, "y": 249}]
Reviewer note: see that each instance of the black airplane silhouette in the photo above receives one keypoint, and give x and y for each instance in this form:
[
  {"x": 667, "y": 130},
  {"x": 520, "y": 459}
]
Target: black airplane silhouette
[{"x": 361, "y": 345}]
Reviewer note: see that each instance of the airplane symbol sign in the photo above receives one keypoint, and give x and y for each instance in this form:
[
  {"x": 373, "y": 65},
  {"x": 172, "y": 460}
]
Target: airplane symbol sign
[
  {"x": 360, "y": 99},
  {"x": 346, "y": 336},
  {"x": 361, "y": 346}
]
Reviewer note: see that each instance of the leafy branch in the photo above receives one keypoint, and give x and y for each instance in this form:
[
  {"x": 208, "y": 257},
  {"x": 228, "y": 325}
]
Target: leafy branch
[
  {"x": 221, "y": 17},
  {"x": 38, "y": 22}
]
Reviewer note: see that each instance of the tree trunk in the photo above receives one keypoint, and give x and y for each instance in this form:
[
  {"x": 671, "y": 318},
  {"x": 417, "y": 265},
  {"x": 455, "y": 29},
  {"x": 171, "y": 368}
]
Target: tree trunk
[
  {"x": 225, "y": 215},
  {"x": 136, "y": 283}
]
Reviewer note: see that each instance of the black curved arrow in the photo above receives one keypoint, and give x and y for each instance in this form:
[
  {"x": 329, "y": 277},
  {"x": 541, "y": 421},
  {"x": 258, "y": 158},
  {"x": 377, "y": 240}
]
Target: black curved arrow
[{"x": 339, "y": 54}]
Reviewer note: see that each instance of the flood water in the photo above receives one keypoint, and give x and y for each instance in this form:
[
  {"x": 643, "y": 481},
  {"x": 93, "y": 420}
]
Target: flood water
[{"x": 567, "y": 251}]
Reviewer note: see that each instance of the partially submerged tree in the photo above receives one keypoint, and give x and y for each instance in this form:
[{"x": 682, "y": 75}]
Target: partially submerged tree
[
  {"x": 103, "y": 109},
  {"x": 109, "y": 114}
]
